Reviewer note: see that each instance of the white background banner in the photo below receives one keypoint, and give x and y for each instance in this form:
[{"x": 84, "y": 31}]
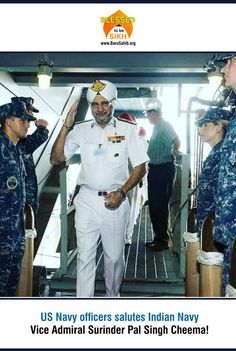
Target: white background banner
[
  {"x": 117, "y": 323},
  {"x": 156, "y": 27}
]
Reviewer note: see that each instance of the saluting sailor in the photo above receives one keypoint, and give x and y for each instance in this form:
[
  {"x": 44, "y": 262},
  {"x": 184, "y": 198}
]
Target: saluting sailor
[
  {"x": 28, "y": 146},
  {"x": 102, "y": 208},
  {"x": 15, "y": 122}
]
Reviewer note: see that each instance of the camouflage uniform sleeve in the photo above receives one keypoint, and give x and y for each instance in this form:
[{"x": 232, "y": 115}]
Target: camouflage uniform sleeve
[
  {"x": 225, "y": 222},
  {"x": 33, "y": 141}
]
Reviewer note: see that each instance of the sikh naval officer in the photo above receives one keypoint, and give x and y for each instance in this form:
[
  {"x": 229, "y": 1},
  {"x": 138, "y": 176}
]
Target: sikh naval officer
[
  {"x": 15, "y": 122},
  {"x": 102, "y": 208},
  {"x": 225, "y": 222},
  {"x": 28, "y": 146}
]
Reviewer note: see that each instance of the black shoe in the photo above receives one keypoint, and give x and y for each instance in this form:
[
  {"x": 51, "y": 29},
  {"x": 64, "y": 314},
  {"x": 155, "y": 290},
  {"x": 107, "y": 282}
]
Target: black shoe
[
  {"x": 157, "y": 247},
  {"x": 149, "y": 243}
]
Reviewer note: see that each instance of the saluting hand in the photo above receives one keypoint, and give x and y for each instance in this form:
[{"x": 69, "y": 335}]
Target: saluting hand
[
  {"x": 71, "y": 114},
  {"x": 41, "y": 123}
]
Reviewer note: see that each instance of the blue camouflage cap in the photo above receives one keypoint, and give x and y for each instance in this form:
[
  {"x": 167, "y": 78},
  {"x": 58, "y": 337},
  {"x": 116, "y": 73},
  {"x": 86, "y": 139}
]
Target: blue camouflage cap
[
  {"x": 221, "y": 61},
  {"x": 27, "y": 100},
  {"x": 212, "y": 115},
  {"x": 15, "y": 109}
]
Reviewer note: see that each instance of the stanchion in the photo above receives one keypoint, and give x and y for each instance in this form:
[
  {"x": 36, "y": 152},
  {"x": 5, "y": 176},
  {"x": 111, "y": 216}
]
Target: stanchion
[
  {"x": 192, "y": 246},
  {"x": 192, "y": 220},
  {"x": 211, "y": 261},
  {"x": 26, "y": 278},
  {"x": 210, "y": 273}
]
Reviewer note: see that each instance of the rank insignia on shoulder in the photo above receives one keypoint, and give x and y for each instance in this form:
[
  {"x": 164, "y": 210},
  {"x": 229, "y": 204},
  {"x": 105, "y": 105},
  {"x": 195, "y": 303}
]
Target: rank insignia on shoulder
[{"x": 115, "y": 138}]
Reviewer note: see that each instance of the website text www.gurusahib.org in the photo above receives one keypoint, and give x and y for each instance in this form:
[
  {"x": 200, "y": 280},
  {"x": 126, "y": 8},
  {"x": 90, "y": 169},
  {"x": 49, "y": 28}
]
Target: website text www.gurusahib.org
[{"x": 133, "y": 43}]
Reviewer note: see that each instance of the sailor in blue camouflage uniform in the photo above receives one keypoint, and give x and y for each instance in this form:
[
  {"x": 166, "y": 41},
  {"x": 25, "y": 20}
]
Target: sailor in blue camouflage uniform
[
  {"x": 15, "y": 122},
  {"x": 212, "y": 128},
  {"x": 28, "y": 145},
  {"x": 225, "y": 223}
]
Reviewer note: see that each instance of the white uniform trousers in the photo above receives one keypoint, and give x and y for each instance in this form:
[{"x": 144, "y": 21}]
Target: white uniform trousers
[{"x": 92, "y": 220}]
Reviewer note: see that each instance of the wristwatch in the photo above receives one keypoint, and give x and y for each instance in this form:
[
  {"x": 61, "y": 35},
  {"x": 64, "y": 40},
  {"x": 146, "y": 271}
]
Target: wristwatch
[{"x": 120, "y": 190}]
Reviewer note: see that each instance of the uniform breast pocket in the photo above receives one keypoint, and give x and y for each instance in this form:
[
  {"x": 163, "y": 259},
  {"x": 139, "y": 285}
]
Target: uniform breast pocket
[
  {"x": 87, "y": 151},
  {"x": 9, "y": 174},
  {"x": 116, "y": 153}
]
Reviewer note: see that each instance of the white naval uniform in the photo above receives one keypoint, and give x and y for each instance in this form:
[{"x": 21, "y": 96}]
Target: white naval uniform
[{"x": 104, "y": 167}]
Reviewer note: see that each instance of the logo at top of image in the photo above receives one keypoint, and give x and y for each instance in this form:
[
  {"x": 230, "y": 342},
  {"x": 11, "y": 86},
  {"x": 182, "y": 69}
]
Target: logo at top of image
[{"x": 118, "y": 25}]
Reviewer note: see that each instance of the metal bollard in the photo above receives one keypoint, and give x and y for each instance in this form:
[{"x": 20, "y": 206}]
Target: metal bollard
[{"x": 211, "y": 261}]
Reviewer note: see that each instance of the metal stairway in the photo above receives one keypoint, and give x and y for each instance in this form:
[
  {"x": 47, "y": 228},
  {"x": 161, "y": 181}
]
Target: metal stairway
[{"x": 146, "y": 273}]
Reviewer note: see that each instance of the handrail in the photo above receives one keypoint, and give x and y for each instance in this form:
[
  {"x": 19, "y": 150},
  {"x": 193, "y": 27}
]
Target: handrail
[{"x": 48, "y": 140}]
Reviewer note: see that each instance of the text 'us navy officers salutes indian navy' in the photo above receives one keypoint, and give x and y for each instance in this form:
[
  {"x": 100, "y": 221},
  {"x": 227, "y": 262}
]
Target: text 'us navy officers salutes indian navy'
[
  {"x": 106, "y": 145},
  {"x": 211, "y": 128},
  {"x": 225, "y": 223},
  {"x": 15, "y": 122}
]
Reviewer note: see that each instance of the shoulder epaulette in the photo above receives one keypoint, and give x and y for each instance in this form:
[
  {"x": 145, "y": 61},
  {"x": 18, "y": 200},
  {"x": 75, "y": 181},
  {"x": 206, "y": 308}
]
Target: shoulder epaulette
[
  {"x": 125, "y": 120},
  {"x": 80, "y": 122}
]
